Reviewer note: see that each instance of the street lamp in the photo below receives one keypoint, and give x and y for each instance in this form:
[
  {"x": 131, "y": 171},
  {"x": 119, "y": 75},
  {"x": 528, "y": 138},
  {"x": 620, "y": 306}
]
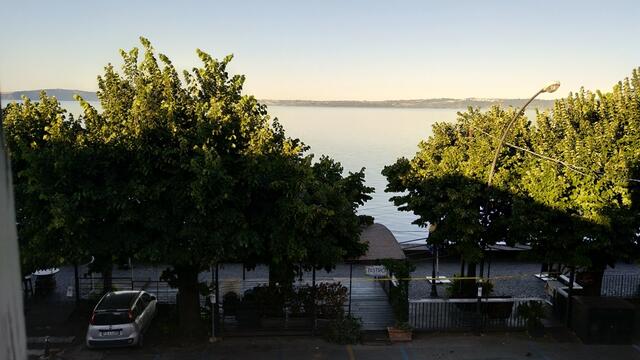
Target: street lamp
[{"x": 547, "y": 89}]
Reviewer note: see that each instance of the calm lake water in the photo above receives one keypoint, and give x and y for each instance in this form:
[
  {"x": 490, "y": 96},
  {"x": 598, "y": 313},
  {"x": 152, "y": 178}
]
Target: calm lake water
[{"x": 361, "y": 137}]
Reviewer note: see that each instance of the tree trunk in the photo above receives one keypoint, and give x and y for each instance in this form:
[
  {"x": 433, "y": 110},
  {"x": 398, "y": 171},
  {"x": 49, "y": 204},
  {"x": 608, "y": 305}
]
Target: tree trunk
[
  {"x": 471, "y": 269},
  {"x": 188, "y": 302},
  {"x": 282, "y": 275},
  {"x": 107, "y": 278}
]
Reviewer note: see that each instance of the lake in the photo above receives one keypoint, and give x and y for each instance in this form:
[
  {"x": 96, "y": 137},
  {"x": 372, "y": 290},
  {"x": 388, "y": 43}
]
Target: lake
[{"x": 362, "y": 137}]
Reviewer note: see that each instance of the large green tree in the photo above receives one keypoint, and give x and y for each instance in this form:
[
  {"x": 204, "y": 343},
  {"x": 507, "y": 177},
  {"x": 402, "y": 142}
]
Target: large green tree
[
  {"x": 445, "y": 183},
  {"x": 596, "y": 135},
  {"x": 185, "y": 171},
  {"x": 215, "y": 179},
  {"x": 574, "y": 199},
  {"x": 69, "y": 191}
]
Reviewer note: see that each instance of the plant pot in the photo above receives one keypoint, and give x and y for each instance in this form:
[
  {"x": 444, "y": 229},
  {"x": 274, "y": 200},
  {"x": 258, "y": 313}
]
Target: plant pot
[{"x": 399, "y": 335}]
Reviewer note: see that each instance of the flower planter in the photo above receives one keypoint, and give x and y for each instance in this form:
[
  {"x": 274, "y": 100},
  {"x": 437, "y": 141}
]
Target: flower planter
[{"x": 399, "y": 335}]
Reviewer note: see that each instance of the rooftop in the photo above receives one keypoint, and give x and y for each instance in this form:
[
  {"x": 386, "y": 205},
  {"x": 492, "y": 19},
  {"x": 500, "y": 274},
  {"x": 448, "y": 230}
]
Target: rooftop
[{"x": 382, "y": 244}]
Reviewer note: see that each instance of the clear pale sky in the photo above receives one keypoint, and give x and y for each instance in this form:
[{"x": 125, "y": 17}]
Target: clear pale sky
[{"x": 338, "y": 49}]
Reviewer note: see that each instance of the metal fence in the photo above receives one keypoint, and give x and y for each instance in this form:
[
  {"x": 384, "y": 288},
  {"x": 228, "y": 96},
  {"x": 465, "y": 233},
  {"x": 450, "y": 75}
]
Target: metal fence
[
  {"x": 92, "y": 287},
  {"x": 467, "y": 314},
  {"x": 620, "y": 285}
]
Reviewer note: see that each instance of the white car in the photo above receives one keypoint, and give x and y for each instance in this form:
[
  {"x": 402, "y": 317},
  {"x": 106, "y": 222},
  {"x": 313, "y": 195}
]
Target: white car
[{"x": 120, "y": 319}]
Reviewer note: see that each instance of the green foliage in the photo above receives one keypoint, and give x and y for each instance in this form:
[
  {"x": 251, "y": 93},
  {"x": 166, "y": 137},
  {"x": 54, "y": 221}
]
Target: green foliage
[
  {"x": 467, "y": 288},
  {"x": 231, "y": 302},
  {"x": 583, "y": 212},
  {"x": 399, "y": 294},
  {"x": 71, "y": 195},
  {"x": 405, "y": 326},
  {"x": 532, "y": 312},
  {"x": 598, "y": 133},
  {"x": 271, "y": 300},
  {"x": 331, "y": 298},
  {"x": 179, "y": 170},
  {"x": 445, "y": 183},
  {"x": 346, "y": 330}
]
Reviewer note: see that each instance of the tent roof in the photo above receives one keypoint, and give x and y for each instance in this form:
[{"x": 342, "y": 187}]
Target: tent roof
[{"x": 382, "y": 244}]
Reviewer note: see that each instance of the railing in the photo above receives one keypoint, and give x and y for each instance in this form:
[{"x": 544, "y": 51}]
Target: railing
[
  {"x": 467, "y": 314},
  {"x": 620, "y": 285}
]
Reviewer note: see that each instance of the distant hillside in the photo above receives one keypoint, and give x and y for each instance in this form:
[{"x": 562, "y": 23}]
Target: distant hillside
[
  {"x": 60, "y": 94},
  {"x": 441, "y": 103}
]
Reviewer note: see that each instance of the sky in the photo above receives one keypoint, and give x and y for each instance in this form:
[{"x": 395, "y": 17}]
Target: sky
[{"x": 334, "y": 49}]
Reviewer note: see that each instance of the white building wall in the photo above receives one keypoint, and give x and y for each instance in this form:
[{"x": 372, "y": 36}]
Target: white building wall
[{"x": 12, "y": 329}]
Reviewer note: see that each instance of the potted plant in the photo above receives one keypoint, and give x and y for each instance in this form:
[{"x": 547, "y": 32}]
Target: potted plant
[
  {"x": 402, "y": 331},
  {"x": 533, "y": 312},
  {"x": 399, "y": 299}
]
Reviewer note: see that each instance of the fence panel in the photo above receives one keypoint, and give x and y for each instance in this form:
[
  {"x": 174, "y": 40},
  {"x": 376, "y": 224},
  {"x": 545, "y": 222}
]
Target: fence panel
[
  {"x": 620, "y": 285},
  {"x": 467, "y": 314},
  {"x": 92, "y": 287}
]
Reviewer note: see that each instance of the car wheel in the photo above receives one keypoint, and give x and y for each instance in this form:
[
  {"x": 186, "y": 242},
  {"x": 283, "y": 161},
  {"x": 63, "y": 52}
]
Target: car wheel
[{"x": 140, "y": 343}]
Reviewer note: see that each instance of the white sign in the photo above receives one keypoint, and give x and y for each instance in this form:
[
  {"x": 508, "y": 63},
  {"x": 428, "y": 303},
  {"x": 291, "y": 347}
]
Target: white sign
[{"x": 376, "y": 271}]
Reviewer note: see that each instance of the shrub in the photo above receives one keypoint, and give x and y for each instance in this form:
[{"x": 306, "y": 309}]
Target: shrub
[
  {"x": 467, "y": 288},
  {"x": 399, "y": 295},
  {"x": 331, "y": 298},
  {"x": 231, "y": 302},
  {"x": 532, "y": 312},
  {"x": 271, "y": 300},
  {"x": 403, "y": 326},
  {"x": 345, "y": 330},
  {"x": 267, "y": 299}
]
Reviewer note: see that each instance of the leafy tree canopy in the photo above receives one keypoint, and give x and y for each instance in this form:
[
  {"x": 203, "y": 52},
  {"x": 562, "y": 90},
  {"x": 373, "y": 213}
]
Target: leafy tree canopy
[
  {"x": 579, "y": 209},
  {"x": 179, "y": 170}
]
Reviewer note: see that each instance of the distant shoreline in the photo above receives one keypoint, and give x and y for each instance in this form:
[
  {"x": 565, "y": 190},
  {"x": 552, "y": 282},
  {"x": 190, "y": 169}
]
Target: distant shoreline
[{"x": 437, "y": 103}]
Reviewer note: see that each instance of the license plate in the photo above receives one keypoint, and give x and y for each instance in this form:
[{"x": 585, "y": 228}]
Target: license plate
[{"x": 110, "y": 332}]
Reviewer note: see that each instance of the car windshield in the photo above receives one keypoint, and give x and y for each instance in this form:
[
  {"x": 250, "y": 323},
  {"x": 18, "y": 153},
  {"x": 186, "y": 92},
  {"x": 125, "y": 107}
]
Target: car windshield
[
  {"x": 111, "y": 318},
  {"x": 117, "y": 301}
]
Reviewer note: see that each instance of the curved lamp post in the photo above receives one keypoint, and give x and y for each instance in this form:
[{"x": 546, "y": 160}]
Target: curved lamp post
[{"x": 548, "y": 89}]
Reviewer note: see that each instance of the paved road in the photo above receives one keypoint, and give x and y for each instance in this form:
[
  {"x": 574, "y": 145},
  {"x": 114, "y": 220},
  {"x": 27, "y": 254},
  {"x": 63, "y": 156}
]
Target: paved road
[{"x": 440, "y": 347}]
